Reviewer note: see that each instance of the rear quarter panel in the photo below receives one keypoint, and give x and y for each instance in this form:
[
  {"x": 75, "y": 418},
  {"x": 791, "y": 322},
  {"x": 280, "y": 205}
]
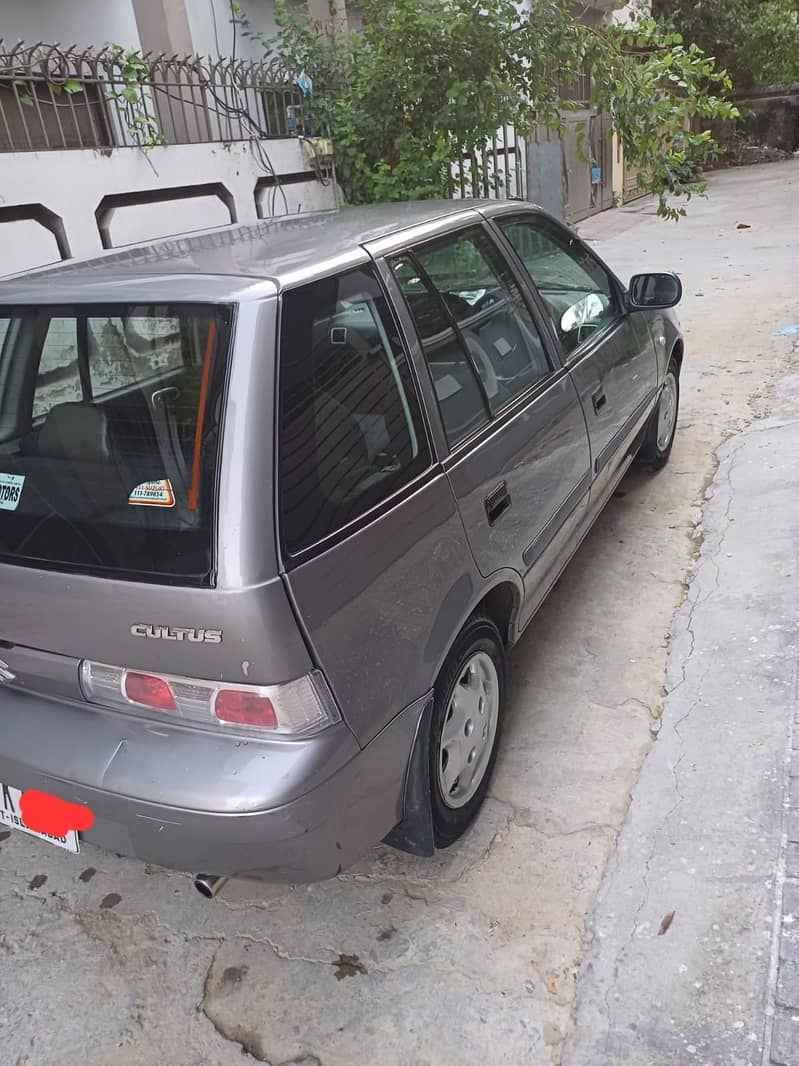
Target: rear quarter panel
[{"x": 382, "y": 607}]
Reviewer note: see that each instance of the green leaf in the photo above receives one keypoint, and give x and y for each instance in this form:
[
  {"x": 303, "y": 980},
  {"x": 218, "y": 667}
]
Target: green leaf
[
  {"x": 421, "y": 84},
  {"x": 24, "y": 97},
  {"x": 72, "y": 86}
]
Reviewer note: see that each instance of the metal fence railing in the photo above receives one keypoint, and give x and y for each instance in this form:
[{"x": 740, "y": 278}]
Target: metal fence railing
[
  {"x": 52, "y": 97},
  {"x": 497, "y": 172},
  {"x": 577, "y": 89}
]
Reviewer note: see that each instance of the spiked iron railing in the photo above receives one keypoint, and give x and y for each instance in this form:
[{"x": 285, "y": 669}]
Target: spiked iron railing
[{"x": 54, "y": 97}]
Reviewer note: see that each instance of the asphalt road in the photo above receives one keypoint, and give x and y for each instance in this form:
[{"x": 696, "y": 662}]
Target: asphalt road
[{"x": 475, "y": 956}]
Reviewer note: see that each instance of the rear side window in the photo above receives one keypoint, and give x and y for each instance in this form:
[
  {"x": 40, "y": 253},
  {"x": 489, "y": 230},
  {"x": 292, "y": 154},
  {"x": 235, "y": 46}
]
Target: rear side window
[
  {"x": 483, "y": 299},
  {"x": 461, "y": 399},
  {"x": 351, "y": 431},
  {"x": 109, "y": 433},
  {"x": 482, "y": 344}
]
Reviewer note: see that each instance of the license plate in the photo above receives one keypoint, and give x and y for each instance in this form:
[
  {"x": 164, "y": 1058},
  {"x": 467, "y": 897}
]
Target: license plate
[{"x": 10, "y": 815}]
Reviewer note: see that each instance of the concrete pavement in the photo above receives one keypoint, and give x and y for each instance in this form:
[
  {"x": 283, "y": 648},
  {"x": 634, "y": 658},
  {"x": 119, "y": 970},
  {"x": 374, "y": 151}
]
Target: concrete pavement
[
  {"x": 475, "y": 955},
  {"x": 708, "y": 836},
  {"x": 704, "y": 839}
]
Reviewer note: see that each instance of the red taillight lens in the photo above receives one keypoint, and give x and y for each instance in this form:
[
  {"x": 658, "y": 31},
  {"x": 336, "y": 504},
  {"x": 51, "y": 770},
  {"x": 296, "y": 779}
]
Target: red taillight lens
[
  {"x": 293, "y": 708},
  {"x": 245, "y": 708},
  {"x": 149, "y": 691}
]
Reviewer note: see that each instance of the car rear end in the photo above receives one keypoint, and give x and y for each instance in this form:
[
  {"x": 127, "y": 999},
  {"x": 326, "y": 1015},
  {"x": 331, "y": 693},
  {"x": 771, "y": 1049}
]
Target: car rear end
[{"x": 153, "y": 672}]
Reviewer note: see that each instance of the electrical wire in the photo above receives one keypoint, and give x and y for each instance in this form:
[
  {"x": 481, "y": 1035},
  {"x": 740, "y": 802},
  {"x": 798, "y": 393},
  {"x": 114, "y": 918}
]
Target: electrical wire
[
  {"x": 234, "y": 24},
  {"x": 212, "y": 4},
  {"x": 256, "y": 144},
  {"x": 225, "y": 110}
]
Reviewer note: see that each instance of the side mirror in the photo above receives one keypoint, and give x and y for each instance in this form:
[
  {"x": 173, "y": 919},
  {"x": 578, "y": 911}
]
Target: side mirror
[{"x": 650, "y": 292}]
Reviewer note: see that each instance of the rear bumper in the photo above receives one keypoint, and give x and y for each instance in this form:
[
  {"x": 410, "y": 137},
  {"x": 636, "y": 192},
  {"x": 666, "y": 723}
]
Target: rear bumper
[{"x": 345, "y": 799}]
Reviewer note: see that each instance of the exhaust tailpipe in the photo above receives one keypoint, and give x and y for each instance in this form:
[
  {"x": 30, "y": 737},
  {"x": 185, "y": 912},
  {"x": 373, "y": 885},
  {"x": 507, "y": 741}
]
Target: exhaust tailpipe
[{"x": 209, "y": 885}]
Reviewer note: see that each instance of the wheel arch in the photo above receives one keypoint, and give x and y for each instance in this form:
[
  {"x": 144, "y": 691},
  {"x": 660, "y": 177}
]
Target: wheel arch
[
  {"x": 500, "y": 602},
  {"x": 499, "y": 599},
  {"x": 677, "y": 352}
]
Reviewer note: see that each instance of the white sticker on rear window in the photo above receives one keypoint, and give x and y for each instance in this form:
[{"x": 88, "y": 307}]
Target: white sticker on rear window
[
  {"x": 153, "y": 494},
  {"x": 11, "y": 490}
]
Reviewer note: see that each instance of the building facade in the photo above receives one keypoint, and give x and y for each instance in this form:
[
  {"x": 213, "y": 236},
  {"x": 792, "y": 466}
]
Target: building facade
[
  {"x": 82, "y": 166},
  {"x": 90, "y": 160}
]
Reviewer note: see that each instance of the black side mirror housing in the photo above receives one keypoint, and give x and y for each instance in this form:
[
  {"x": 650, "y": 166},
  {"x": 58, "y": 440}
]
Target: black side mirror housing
[{"x": 653, "y": 292}]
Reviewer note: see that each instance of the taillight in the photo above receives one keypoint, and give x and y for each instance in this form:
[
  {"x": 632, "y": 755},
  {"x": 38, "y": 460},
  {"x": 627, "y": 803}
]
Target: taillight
[
  {"x": 245, "y": 708},
  {"x": 148, "y": 691},
  {"x": 295, "y": 708}
]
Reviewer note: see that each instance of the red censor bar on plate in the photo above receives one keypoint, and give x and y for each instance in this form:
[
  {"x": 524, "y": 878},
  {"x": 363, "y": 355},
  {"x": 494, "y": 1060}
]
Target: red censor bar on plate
[{"x": 49, "y": 814}]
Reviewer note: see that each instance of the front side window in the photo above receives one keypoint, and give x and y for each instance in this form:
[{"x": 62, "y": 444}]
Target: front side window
[
  {"x": 577, "y": 290},
  {"x": 350, "y": 428},
  {"x": 110, "y": 420}
]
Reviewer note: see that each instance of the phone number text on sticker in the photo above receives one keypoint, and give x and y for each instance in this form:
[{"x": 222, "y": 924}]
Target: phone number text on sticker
[
  {"x": 153, "y": 494},
  {"x": 11, "y": 490}
]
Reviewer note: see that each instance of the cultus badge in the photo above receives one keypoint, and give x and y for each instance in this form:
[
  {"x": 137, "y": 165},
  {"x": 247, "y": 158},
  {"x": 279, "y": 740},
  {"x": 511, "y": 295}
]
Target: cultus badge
[{"x": 194, "y": 636}]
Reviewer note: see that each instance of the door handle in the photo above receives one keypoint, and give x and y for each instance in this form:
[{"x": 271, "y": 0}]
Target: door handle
[
  {"x": 599, "y": 399},
  {"x": 497, "y": 503}
]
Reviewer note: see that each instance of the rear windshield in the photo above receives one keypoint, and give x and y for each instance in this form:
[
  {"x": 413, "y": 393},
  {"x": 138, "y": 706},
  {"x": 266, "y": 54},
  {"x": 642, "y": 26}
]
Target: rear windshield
[{"x": 109, "y": 434}]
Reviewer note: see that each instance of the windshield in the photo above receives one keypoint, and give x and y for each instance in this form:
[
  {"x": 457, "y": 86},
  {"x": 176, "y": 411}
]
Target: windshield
[{"x": 109, "y": 434}]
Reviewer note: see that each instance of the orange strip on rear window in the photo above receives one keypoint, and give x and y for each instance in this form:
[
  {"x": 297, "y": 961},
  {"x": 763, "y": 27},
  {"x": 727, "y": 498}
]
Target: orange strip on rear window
[{"x": 194, "y": 490}]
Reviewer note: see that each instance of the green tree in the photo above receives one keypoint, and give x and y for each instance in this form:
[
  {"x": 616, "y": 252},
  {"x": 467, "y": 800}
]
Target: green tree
[
  {"x": 756, "y": 40},
  {"x": 423, "y": 83}
]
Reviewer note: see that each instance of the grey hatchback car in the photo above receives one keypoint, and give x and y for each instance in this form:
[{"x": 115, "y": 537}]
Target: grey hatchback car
[{"x": 275, "y": 502}]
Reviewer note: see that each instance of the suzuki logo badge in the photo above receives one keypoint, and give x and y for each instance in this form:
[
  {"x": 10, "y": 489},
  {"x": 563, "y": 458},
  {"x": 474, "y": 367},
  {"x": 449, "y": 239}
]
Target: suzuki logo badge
[{"x": 5, "y": 674}]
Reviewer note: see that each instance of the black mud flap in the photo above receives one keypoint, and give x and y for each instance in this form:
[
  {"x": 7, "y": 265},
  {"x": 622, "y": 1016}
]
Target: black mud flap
[{"x": 414, "y": 833}]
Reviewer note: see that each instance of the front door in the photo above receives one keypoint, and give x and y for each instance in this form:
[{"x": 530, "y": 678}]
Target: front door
[
  {"x": 519, "y": 460},
  {"x": 609, "y": 354}
]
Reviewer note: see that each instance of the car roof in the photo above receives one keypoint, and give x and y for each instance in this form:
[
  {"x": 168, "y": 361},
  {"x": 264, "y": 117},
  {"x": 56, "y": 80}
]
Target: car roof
[{"x": 233, "y": 263}]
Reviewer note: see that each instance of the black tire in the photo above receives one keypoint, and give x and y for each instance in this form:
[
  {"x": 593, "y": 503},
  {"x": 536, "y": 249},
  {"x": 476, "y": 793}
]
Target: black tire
[
  {"x": 655, "y": 454},
  {"x": 479, "y": 637}
]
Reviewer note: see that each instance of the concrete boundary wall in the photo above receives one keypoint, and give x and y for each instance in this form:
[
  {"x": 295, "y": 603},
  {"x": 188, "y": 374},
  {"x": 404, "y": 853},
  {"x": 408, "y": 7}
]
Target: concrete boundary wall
[{"x": 77, "y": 201}]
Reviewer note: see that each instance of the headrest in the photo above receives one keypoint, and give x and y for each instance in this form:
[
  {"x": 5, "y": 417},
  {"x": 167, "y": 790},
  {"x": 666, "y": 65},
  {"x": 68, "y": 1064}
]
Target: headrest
[{"x": 77, "y": 431}]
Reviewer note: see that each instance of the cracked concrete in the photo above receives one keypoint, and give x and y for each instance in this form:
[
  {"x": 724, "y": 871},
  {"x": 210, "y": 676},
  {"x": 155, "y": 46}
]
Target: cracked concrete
[
  {"x": 474, "y": 955},
  {"x": 703, "y": 836}
]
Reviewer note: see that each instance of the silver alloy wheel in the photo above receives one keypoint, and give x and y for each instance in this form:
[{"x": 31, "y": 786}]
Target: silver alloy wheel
[
  {"x": 470, "y": 726},
  {"x": 667, "y": 411}
]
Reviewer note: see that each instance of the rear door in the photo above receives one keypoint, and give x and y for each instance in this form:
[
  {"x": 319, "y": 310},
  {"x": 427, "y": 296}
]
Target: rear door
[
  {"x": 519, "y": 460},
  {"x": 375, "y": 557},
  {"x": 609, "y": 354}
]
